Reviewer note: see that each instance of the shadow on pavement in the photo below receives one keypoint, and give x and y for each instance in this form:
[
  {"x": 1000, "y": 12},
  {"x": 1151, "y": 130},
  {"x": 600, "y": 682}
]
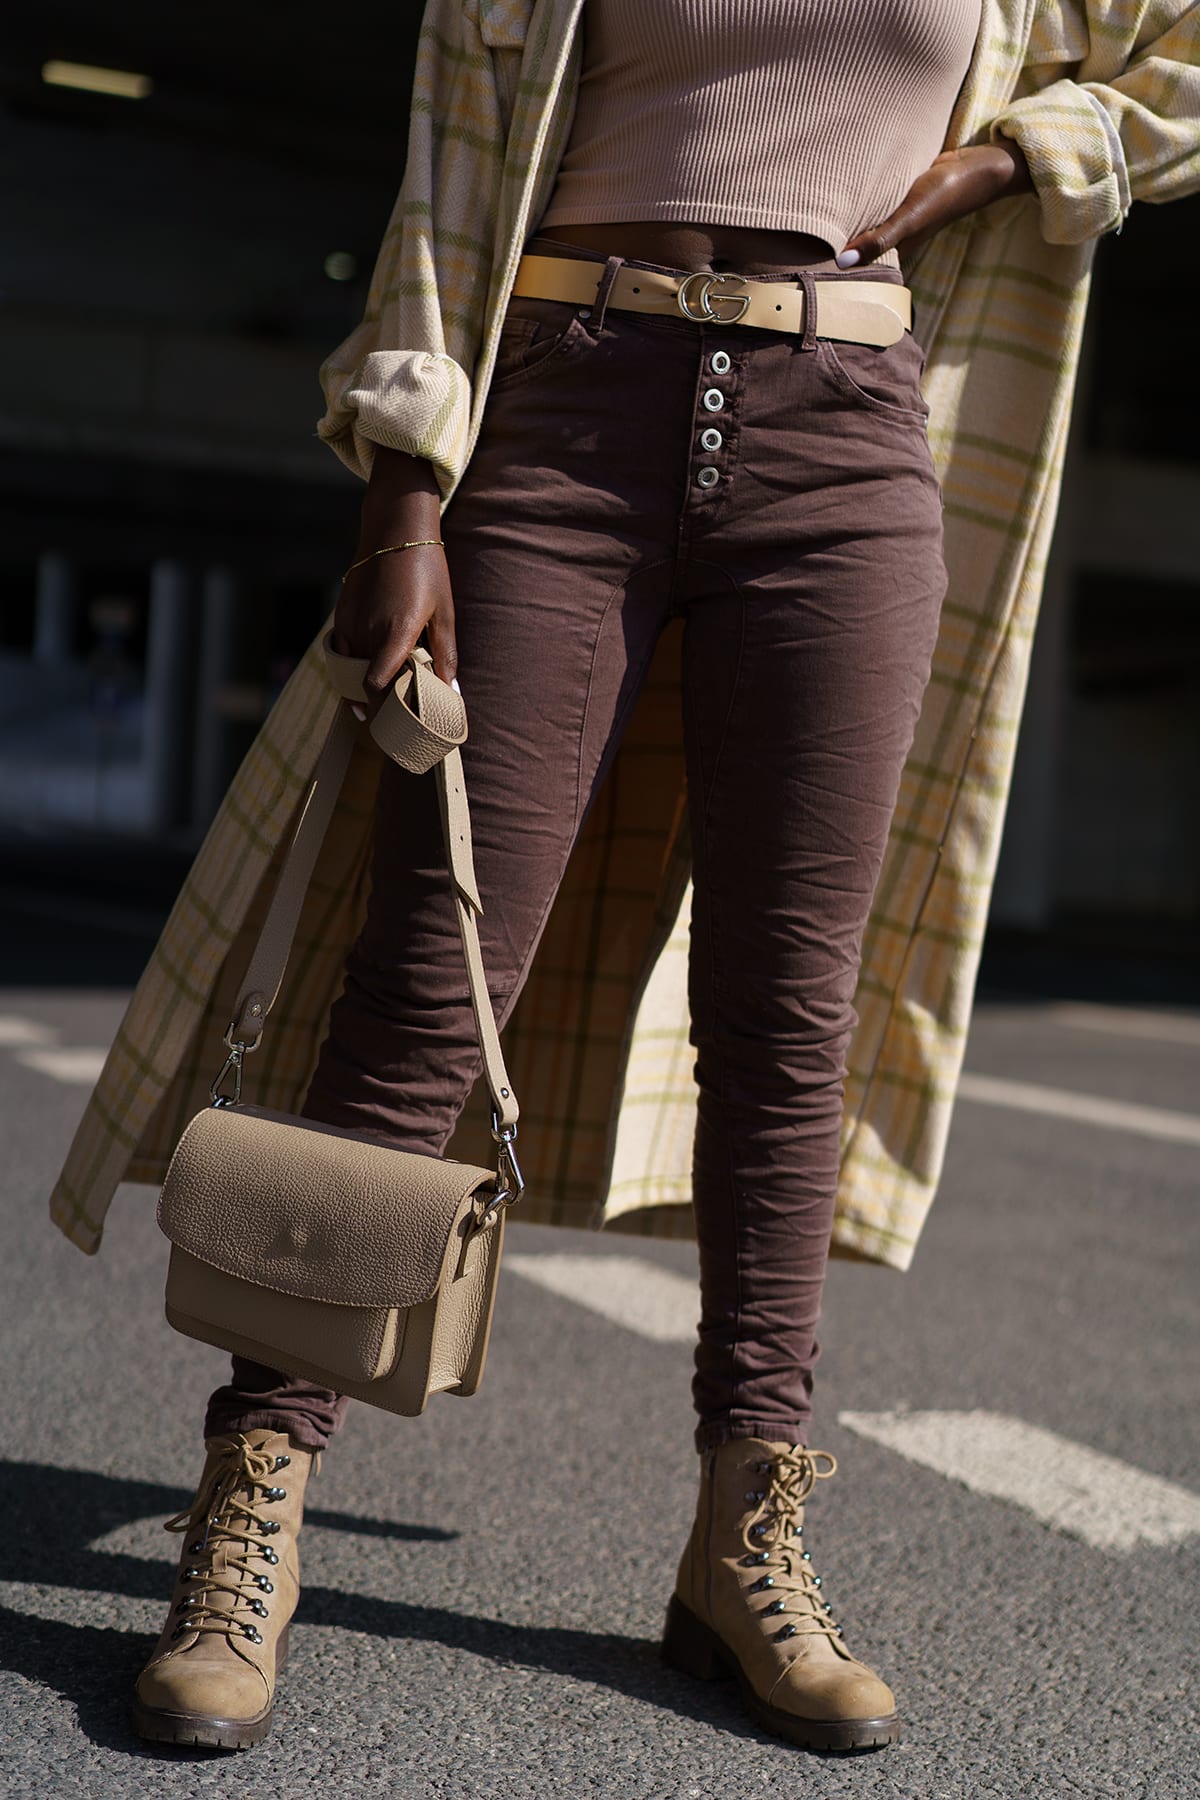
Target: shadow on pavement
[{"x": 50, "y": 1518}]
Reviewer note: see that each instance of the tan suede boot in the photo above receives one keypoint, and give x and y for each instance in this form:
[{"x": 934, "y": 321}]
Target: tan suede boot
[
  {"x": 748, "y": 1603},
  {"x": 211, "y": 1679}
]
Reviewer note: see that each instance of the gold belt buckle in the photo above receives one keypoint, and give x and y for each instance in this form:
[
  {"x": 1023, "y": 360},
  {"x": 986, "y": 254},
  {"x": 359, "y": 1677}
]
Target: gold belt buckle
[{"x": 695, "y": 298}]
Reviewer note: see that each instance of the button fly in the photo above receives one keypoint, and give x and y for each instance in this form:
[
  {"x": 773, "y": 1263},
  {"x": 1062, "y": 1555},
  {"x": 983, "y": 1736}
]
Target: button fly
[
  {"x": 708, "y": 476},
  {"x": 711, "y": 439},
  {"x": 712, "y": 399},
  {"x": 720, "y": 363}
]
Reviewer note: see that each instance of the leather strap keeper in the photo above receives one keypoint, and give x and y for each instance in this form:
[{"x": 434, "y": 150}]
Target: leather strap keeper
[{"x": 858, "y": 312}]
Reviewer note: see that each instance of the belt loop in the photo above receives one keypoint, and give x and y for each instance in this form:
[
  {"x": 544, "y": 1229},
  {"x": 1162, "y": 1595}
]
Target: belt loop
[
  {"x": 612, "y": 269},
  {"x": 808, "y": 283}
]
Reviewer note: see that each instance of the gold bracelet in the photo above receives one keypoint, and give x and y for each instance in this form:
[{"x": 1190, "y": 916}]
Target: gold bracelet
[{"x": 416, "y": 544}]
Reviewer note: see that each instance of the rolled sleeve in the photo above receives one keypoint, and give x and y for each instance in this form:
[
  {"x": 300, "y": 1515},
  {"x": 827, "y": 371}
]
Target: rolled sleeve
[
  {"x": 1075, "y": 159},
  {"x": 417, "y": 401}
]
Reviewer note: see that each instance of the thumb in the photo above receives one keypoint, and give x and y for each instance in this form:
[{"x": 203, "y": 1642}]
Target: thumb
[{"x": 384, "y": 667}]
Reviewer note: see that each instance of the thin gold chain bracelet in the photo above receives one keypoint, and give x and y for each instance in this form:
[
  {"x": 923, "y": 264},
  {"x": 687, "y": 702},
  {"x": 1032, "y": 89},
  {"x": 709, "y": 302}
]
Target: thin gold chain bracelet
[{"x": 387, "y": 550}]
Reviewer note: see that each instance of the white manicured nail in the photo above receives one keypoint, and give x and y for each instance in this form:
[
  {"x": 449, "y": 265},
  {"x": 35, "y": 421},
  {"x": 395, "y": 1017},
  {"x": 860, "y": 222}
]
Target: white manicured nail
[
  {"x": 360, "y": 712},
  {"x": 847, "y": 259},
  {"x": 455, "y": 686}
]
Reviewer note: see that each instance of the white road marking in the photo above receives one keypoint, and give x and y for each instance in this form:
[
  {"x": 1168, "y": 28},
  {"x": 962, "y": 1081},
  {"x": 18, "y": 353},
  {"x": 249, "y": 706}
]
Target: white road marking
[
  {"x": 654, "y": 1302},
  {"x": 78, "y": 1067},
  {"x": 1088, "y": 1109},
  {"x": 1108, "y": 1503},
  {"x": 16, "y": 1032},
  {"x": 1121, "y": 1021}
]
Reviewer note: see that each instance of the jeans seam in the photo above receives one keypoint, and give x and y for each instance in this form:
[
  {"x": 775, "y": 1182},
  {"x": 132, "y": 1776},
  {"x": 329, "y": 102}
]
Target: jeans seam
[
  {"x": 702, "y": 824},
  {"x": 621, "y": 721}
]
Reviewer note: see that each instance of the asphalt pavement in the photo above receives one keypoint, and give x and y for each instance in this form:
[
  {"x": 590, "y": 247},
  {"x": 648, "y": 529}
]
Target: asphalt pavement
[{"x": 485, "y": 1585}]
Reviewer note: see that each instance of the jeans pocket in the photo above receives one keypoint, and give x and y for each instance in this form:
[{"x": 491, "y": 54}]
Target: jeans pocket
[
  {"x": 886, "y": 380},
  {"x": 535, "y": 335}
]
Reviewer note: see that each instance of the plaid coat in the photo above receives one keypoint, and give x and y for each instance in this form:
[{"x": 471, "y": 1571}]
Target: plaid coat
[{"x": 1104, "y": 98}]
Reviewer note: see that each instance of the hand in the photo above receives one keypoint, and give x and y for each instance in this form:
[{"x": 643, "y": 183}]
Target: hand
[
  {"x": 958, "y": 183},
  {"x": 385, "y": 605}
]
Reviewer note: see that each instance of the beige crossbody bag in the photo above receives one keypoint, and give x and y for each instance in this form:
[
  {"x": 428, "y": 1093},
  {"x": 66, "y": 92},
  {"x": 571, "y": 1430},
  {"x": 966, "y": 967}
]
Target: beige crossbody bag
[{"x": 319, "y": 1251}]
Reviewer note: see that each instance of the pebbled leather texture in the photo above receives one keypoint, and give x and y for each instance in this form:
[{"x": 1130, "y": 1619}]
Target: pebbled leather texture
[
  {"x": 311, "y": 1250},
  {"x": 358, "y": 1343},
  {"x": 313, "y": 1211}
]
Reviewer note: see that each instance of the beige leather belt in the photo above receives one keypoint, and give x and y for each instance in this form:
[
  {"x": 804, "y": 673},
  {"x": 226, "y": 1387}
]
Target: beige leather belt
[{"x": 861, "y": 312}]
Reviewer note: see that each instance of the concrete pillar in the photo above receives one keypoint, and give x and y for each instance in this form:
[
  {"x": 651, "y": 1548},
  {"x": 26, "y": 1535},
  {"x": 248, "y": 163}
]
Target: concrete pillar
[
  {"x": 56, "y": 617},
  {"x": 170, "y": 713},
  {"x": 216, "y": 758}
]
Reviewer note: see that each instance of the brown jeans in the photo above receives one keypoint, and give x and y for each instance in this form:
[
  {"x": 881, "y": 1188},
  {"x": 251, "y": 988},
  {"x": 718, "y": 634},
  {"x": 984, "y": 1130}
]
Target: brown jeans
[{"x": 778, "y": 493}]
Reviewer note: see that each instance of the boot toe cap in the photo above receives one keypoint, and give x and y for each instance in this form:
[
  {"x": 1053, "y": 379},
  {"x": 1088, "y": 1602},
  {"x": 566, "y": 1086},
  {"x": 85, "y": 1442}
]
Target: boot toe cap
[
  {"x": 174, "y": 1685},
  {"x": 848, "y": 1693}
]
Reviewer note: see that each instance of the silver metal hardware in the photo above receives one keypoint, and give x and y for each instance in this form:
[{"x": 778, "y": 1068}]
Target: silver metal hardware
[
  {"x": 238, "y": 1051},
  {"x": 510, "y": 1183},
  {"x": 231, "y": 1066},
  {"x": 708, "y": 476},
  {"x": 721, "y": 362},
  {"x": 711, "y": 439},
  {"x": 697, "y": 293},
  {"x": 712, "y": 399}
]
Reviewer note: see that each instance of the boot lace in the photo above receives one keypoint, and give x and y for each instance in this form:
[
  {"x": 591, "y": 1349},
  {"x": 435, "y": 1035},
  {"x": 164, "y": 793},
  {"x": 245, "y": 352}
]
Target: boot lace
[
  {"x": 228, "y": 1513},
  {"x": 772, "y": 1535}
]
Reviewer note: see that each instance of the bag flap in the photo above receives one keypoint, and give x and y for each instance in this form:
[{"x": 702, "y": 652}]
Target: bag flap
[{"x": 309, "y": 1210}]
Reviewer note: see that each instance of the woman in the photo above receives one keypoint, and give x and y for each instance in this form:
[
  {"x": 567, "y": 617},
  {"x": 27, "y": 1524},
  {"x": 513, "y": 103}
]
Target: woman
[{"x": 662, "y": 245}]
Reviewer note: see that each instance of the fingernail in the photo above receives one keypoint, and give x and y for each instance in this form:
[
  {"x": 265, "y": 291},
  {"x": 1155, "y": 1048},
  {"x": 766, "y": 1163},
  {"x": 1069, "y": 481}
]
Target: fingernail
[
  {"x": 360, "y": 712},
  {"x": 455, "y": 686},
  {"x": 846, "y": 259}
]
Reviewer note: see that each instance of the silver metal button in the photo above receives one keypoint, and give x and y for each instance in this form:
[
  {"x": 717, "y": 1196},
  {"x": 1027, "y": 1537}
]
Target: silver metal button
[
  {"x": 711, "y": 439},
  {"x": 708, "y": 476},
  {"x": 712, "y": 399},
  {"x": 720, "y": 363}
]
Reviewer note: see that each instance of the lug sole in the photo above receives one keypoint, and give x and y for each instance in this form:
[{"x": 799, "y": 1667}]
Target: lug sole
[
  {"x": 206, "y": 1731},
  {"x": 694, "y": 1649}
]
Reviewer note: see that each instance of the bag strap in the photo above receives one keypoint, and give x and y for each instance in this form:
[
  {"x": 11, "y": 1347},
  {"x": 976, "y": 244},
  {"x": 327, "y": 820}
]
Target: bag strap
[{"x": 420, "y": 725}]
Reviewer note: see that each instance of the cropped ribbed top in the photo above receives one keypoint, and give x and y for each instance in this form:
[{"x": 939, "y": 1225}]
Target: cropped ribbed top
[{"x": 797, "y": 115}]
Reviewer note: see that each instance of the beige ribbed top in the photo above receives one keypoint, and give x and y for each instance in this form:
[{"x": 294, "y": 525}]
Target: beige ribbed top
[{"x": 797, "y": 115}]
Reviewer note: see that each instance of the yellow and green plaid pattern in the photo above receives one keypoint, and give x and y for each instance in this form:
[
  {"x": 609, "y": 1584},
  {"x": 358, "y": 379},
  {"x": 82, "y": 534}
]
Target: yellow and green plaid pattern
[{"x": 1105, "y": 102}]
